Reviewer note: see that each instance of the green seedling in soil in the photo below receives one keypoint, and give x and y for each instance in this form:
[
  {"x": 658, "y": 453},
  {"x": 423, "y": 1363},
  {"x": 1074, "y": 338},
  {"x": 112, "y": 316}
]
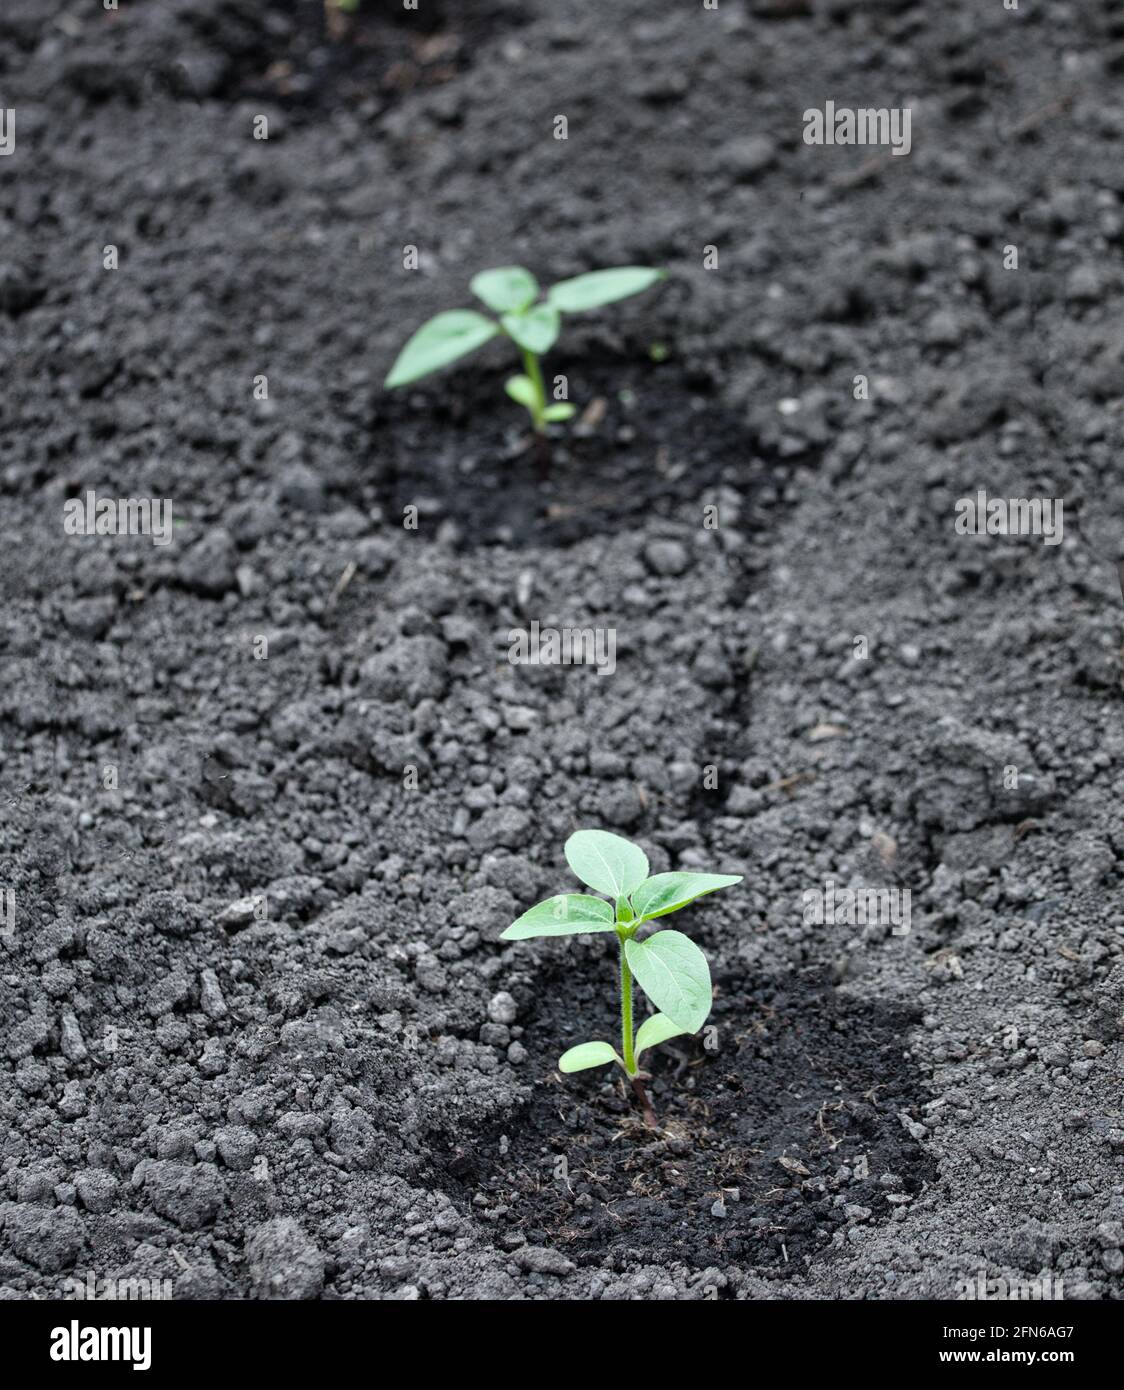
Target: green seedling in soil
[
  {"x": 531, "y": 323},
  {"x": 669, "y": 967}
]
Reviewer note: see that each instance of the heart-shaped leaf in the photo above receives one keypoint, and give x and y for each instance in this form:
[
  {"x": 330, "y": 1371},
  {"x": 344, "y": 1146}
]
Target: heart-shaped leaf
[
  {"x": 535, "y": 329},
  {"x": 609, "y": 863},
  {"x": 522, "y": 390},
  {"x": 602, "y": 287},
  {"x": 505, "y": 288},
  {"x": 440, "y": 341},
  {"x": 590, "y": 1054},
  {"x": 566, "y": 914},
  {"x": 656, "y": 1029},
  {"x": 673, "y": 973},
  {"x": 664, "y": 893}
]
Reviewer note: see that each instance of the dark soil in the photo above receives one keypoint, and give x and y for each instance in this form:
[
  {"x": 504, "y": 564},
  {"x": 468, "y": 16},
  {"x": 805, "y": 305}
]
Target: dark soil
[
  {"x": 802, "y": 1087},
  {"x": 269, "y": 793},
  {"x": 496, "y": 484}
]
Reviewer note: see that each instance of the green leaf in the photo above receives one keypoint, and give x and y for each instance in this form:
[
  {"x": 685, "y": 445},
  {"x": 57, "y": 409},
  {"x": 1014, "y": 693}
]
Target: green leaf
[
  {"x": 656, "y": 1029},
  {"x": 566, "y": 914},
  {"x": 562, "y": 411},
  {"x": 534, "y": 329},
  {"x": 664, "y": 893},
  {"x": 590, "y": 1054},
  {"x": 505, "y": 288},
  {"x": 673, "y": 973},
  {"x": 440, "y": 341},
  {"x": 609, "y": 863},
  {"x": 521, "y": 389},
  {"x": 602, "y": 287}
]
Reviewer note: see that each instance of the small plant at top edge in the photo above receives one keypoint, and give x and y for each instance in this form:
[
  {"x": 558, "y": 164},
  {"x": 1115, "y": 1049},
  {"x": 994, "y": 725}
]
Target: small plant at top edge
[
  {"x": 670, "y": 968},
  {"x": 338, "y": 15},
  {"x": 532, "y": 325}
]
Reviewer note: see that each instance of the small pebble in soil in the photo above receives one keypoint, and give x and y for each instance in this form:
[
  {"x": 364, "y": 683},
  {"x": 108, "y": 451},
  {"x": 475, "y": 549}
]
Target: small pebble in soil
[
  {"x": 502, "y": 1008},
  {"x": 666, "y": 557},
  {"x": 537, "y": 1259}
]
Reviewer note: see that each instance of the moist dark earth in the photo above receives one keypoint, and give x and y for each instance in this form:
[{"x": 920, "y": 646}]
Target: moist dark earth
[{"x": 270, "y": 792}]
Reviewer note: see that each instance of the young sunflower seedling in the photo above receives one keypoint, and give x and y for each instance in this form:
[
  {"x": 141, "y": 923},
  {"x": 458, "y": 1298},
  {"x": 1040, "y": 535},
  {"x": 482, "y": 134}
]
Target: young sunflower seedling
[
  {"x": 532, "y": 325},
  {"x": 670, "y": 968}
]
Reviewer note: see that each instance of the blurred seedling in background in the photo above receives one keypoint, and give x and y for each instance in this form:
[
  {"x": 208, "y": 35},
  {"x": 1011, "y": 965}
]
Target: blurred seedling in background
[
  {"x": 531, "y": 323},
  {"x": 336, "y": 14},
  {"x": 669, "y": 967}
]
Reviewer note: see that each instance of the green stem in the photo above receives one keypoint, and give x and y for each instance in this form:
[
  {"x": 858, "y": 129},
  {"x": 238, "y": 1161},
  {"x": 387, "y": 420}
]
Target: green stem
[
  {"x": 628, "y": 1042},
  {"x": 531, "y": 367},
  {"x": 627, "y": 1047}
]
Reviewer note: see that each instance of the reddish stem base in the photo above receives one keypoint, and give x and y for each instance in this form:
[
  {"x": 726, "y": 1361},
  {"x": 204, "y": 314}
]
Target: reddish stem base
[
  {"x": 645, "y": 1103},
  {"x": 543, "y": 455}
]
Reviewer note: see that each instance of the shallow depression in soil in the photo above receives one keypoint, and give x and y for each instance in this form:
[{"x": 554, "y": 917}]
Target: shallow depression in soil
[
  {"x": 789, "y": 1130},
  {"x": 655, "y": 449}
]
